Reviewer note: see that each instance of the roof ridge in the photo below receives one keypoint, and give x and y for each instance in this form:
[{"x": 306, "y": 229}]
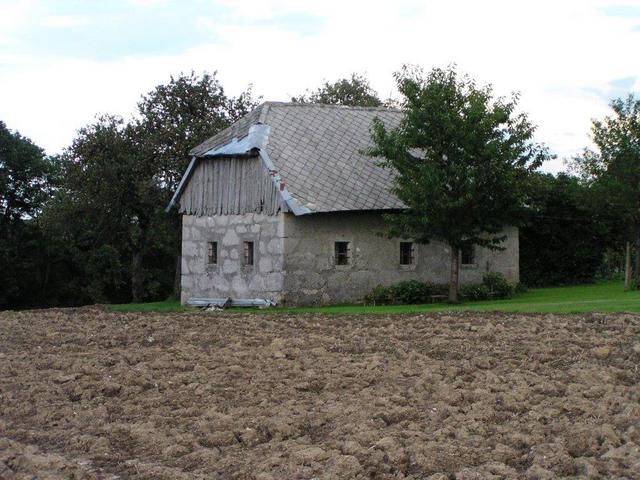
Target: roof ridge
[{"x": 277, "y": 103}]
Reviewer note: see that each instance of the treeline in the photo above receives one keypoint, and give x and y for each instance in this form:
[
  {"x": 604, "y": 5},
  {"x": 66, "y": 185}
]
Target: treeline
[{"x": 89, "y": 226}]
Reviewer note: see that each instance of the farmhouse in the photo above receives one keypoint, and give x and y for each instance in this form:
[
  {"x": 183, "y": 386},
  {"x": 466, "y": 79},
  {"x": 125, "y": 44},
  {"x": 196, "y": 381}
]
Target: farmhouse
[{"x": 284, "y": 206}]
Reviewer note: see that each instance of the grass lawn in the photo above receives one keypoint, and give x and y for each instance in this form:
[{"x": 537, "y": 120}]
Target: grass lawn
[{"x": 597, "y": 297}]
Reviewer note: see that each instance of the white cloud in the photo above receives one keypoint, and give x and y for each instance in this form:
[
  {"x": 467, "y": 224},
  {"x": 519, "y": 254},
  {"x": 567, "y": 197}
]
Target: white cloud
[
  {"x": 561, "y": 56},
  {"x": 64, "y": 21}
]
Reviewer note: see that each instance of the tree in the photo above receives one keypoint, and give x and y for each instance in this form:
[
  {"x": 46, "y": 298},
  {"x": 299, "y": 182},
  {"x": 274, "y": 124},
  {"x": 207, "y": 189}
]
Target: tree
[
  {"x": 24, "y": 177},
  {"x": 354, "y": 92},
  {"x": 614, "y": 168},
  {"x": 461, "y": 161},
  {"x": 26, "y": 181},
  {"x": 104, "y": 208},
  {"x": 566, "y": 234}
]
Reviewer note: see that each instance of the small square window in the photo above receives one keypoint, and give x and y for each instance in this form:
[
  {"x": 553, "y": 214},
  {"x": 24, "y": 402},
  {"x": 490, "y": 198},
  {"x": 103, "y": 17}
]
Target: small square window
[
  {"x": 467, "y": 255},
  {"x": 341, "y": 253},
  {"x": 212, "y": 253},
  {"x": 406, "y": 253},
  {"x": 247, "y": 258}
]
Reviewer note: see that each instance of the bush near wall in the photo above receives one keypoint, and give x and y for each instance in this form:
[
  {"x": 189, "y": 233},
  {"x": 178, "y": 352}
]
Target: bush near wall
[{"x": 412, "y": 292}]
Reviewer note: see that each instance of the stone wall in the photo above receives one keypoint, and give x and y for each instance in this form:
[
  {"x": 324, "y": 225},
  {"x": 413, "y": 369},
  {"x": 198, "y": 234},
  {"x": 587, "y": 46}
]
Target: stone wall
[
  {"x": 229, "y": 278},
  {"x": 294, "y": 258},
  {"x": 311, "y": 276}
]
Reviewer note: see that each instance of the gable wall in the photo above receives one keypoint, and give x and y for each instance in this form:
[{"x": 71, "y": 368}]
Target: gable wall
[
  {"x": 229, "y": 186},
  {"x": 311, "y": 276},
  {"x": 229, "y": 278}
]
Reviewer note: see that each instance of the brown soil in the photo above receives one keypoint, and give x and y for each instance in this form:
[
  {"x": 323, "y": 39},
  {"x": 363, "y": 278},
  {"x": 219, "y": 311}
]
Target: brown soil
[{"x": 90, "y": 394}]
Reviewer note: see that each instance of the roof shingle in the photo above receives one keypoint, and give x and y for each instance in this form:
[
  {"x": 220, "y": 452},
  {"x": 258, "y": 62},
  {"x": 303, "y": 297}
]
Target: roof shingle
[{"x": 317, "y": 151}]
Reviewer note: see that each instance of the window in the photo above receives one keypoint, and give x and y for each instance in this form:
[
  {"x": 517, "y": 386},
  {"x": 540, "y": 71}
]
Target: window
[
  {"x": 341, "y": 253},
  {"x": 406, "y": 253},
  {"x": 247, "y": 258},
  {"x": 467, "y": 255},
  {"x": 212, "y": 253}
]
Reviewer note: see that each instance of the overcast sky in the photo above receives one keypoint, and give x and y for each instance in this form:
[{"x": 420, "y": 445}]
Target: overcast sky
[{"x": 64, "y": 61}]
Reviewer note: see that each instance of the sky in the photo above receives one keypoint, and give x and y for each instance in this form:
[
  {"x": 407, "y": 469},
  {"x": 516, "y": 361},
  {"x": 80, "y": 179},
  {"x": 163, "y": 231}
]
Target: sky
[{"x": 62, "y": 62}]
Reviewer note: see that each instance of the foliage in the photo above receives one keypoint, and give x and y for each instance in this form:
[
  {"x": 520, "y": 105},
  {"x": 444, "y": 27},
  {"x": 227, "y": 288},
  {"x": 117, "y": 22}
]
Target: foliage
[
  {"x": 614, "y": 168},
  {"x": 414, "y": 292},
  {"x": 354, "y": 91},
  {"x": 498, "y": 286},
  {"x": 102, "y": 234},
  {"x": 462, "y": 161},
  {"x": 475, "y": 292},
  {"x": 27, "y": 178},
  {"x": 566, "y": 234}
]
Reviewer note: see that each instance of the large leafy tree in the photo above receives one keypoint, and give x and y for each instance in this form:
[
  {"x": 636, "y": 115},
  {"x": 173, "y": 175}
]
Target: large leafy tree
[
  {"x": 118, "y": 178},
  {"x": 24, "y": 177},
  {"x": 104, "y": 208},
  {"x": 461, "y": 160},
  {"x": 567, "y": 232},
  {"x": 27, "y": 178},
  {"x": 613, "y": 168},
  {"x": 354, "y": 91}
]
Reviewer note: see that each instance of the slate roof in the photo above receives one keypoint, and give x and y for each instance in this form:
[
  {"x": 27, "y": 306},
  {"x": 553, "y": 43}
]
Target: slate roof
[{"x": 316, "y": 151}]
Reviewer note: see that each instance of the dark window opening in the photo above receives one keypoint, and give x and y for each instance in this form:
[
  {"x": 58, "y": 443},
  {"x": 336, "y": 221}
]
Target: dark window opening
[
  {"x": 248, "y": 253},
  {"x": 406, "y": 253},
  {"x": 342, "y": 253},
  {"x": 467, "y": 255},
  {"x": 212, "y": 253}
]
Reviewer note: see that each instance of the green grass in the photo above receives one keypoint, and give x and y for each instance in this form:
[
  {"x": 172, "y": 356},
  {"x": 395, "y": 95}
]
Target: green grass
[
  {"x": 164, "y": 306},
  {"x": 597, "y": 297}
]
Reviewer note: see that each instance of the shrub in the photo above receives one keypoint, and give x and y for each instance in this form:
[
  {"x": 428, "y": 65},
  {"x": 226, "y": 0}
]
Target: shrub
[
  {"x": 474, "y": 292},
  {"x": 379, "y": 296},
  {"x": 411, "y": 292},
  {"x": 493, "y": 285},
  {"x": 497, "y": 285}
]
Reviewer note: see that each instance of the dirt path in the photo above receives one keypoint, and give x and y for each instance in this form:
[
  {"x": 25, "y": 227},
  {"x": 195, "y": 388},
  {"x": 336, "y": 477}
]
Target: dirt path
[{"x": 91, "y": 394}]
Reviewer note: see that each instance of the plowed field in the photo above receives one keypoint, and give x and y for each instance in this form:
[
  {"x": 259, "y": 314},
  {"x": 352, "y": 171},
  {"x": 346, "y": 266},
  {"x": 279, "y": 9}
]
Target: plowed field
[{"x": 86, "y": 393}]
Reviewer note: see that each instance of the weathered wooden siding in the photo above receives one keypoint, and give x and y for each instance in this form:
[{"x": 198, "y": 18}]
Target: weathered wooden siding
[{"x": 230, "y": 186}]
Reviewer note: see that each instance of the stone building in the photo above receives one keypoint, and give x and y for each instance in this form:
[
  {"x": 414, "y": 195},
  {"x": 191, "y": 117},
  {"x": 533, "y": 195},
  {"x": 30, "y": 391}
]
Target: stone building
[{"x": 284, "y": 206}]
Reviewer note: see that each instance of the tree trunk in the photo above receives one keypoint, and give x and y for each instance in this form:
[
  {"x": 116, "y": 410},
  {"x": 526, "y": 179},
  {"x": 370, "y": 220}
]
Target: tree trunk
[
  {"x": 454, "y": 277},
  {"x": 137, "y": 278},
  {"x": 177, "y": 278},
  {"x": 627, "y": 268},
  {"x": 636, "y": 263}
]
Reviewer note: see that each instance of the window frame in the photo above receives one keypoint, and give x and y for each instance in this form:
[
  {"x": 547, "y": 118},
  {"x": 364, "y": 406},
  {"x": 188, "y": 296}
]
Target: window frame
[
  {"x": 348, "y": 257},
  {"x": 474, "y": 260},
  {"x": 212, "y": 247},
  {"x": 248, "y": 256},
  {"x": 411, "y": 253}
]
